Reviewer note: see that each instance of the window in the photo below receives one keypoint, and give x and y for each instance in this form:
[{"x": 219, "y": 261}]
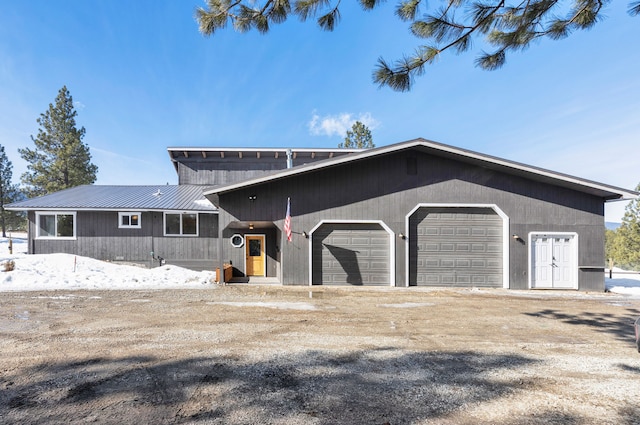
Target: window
[
  {"x": 237, "y": 240},
  {"x": 55, "y": 225},
  {"x": 129, "y": 220},
  {"x": 181, "y": 224}
]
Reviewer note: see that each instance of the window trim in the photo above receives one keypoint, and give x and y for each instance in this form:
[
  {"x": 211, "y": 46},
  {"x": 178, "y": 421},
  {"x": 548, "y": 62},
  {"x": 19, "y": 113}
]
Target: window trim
[
  {"x": 56, "y": 214},
  {"x": 181, "y": 214},
  {"x": 129, "y": 213},
  {"x": 238, "y": 244}
]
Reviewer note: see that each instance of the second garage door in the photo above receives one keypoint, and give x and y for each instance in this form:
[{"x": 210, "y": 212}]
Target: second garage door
[
  {"x": 350, "y": 254},
  {"x": 455, "y": 247}
]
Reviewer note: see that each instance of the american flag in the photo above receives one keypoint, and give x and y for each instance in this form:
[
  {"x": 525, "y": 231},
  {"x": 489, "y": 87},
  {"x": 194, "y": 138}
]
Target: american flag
[{"x": 287, "y": 221}]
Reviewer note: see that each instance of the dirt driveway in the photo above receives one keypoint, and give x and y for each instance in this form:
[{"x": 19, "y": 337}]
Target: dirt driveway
[{"x": 274, "y": 355}]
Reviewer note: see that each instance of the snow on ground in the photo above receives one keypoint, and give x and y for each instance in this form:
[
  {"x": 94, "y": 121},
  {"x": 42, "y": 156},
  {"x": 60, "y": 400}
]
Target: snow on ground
[
  {"x": 623, "y": 282},
  {"x": 66, "y": 271}
]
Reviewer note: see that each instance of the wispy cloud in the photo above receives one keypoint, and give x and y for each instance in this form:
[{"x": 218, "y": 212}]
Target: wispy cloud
[
  {"x": 337, "y": 125},
  {"x": 79, "y": 105}
]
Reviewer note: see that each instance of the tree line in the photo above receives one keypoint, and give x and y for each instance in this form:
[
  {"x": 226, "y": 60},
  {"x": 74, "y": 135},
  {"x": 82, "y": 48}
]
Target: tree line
[
  {"x": 623, "y": 244},
  {"x": 59, "y": 160}
]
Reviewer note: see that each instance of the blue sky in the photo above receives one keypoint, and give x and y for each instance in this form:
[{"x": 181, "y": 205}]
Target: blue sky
[{"x": 143, "y": 79}]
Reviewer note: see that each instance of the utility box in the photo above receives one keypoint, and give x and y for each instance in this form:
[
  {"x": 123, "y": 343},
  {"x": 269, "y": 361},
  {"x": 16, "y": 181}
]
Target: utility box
[{"x": 228, "y": 273}]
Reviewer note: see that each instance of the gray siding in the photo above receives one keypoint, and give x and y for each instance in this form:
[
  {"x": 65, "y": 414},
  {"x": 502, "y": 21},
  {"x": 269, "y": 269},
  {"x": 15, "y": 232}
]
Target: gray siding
[
  {"x": 387, "y": 188},
  {"x": 98, "y": 236},
  {"x": 231, "y": 171},
  {"x": 223, "y": 171},
  {"x": 236, "y": 256}
]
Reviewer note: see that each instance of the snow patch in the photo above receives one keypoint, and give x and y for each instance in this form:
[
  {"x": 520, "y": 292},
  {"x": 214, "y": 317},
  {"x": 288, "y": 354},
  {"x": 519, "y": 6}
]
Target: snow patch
[
  {"x": 42, "y": 272},
  {"x": 203, "y": 202}
]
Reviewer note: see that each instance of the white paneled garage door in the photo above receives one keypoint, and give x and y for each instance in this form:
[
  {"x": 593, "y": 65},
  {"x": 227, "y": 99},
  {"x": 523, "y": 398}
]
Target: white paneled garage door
[
  {"x": 350, "y": 254},
  {"x": 456, "y": 246}
]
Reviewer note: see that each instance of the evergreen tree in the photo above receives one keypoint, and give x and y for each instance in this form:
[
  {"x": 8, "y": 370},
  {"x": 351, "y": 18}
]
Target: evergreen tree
[
  {"x": 60, "y": 159},
  {"x": 9, "y": 193},
  {"x": 453, "y": 25},
  {"x": 611, "y": 248},
  {"x": 358, "y": 137},
  {"x": 626, "y": 244}
]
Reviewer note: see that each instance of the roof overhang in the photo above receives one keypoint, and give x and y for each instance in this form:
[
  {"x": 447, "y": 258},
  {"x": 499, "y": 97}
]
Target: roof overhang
[
  {"x": 110, "y": 210},
  {"x": 177, "y": 154},
  {"x": 542, "y": 175}
]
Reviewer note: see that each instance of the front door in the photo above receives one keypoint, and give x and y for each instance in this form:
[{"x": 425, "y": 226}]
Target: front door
[
  {"x": 255, "y": 257},
  {"x": 554, "y": 261}
]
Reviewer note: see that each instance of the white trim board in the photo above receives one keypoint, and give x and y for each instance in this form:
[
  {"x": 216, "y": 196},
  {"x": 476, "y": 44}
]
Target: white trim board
[{"x": 608, "y": 192}]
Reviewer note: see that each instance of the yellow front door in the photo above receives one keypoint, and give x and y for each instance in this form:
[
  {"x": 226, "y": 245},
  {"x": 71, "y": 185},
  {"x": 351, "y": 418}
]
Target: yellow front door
[{"x": 255, "y": 255}]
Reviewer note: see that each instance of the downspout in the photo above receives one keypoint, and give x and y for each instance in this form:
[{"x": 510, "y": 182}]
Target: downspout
[{"x": 289, "y": 158}]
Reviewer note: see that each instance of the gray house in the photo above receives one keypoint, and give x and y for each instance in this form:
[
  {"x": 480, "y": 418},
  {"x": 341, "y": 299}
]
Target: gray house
[
  {"x": 139, "y": 224},
  {"x": 414, "y": 213},
  {"x": 417, "y": 213},
  {"x": 148, "y": 224}
]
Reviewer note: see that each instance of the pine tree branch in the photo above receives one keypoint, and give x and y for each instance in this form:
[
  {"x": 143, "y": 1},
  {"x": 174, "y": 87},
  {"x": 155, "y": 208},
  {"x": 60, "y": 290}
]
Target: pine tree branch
[
  {"x": 305, "y": 9},
  {"x": 400, "y": 78},
  {"x": 508, "y": 28},
  {"x": 210, "y": 21},
  {"x": 329, "y": 20}
]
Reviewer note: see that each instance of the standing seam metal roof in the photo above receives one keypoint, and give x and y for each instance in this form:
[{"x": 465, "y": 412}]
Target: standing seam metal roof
[{"x": 140, "y": 198}]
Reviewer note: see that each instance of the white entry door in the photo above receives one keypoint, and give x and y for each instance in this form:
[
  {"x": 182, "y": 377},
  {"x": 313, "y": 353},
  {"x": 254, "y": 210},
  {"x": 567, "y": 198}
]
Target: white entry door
[{"x": 554, "y": 260}]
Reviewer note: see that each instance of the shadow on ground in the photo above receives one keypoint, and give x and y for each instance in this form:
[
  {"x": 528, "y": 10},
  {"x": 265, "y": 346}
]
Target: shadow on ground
[
  {"x": 315, "y": 387},
  {"x": 619, "y": 326}
]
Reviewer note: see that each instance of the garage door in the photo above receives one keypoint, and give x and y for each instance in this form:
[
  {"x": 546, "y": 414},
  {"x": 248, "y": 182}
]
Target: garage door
[
  {"x": 455, "y": 247},
  {"x": 350, "y": 254}
]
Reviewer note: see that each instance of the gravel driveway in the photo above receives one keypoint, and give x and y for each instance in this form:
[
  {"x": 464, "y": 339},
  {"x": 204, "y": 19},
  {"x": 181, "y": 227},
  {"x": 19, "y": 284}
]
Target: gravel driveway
[{"x": 281, "y": 355}]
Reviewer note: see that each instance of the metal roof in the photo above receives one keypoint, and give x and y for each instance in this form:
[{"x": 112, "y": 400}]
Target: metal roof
[
  {"x": 602, "y": 190},
  {"x": 120, "y": 198}
]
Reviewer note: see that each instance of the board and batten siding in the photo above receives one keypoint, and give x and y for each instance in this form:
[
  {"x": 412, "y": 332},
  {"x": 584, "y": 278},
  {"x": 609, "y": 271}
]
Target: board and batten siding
[
  {"x": 232, "y": 169},
  {"x": 98, "y": 236},
  {"x": 388, "y": 187}
]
